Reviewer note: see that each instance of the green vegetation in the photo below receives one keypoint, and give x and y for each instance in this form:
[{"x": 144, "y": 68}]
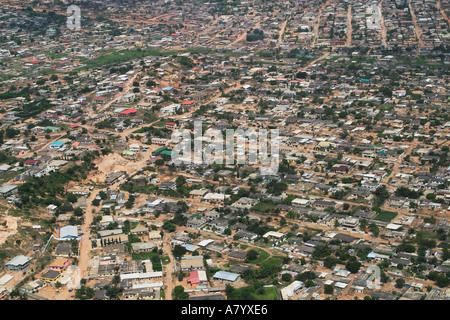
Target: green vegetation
[
  {"x": 264, "y": 206},
  {"x": 386, "y": 216},
  {"x": 251, "y": 293},
  {"x": 154, "y": 256},
  {"x": 261, "y": 256}
]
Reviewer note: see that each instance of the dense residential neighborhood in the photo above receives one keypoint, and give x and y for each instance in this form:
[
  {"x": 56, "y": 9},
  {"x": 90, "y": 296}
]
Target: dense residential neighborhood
[{"x": 94, "y": 206}]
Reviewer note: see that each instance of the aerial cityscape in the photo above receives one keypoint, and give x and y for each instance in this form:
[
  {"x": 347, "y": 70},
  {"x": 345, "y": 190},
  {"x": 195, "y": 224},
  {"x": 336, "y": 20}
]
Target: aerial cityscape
[{"x": 225, "y": 150}]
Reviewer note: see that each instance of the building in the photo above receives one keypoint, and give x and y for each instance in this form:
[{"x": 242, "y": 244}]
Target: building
[
  {"x": 197, "y": 277},
  {"x": 142, "y": 246},
  {"x": 191, "y": 263},
  {"x": 68, "y": 233},
  {"x": 226, "y": 276},
  {"x": 18, "y": 263},
  {"x": 291, "y": 290},
  {"x": 57, "y": 145},
  {"x": 8, "y": 189},
  {"x": 59, "y": 264},
  {"x": 51, "y": 276},
  {"x": 238, "y": 255}
]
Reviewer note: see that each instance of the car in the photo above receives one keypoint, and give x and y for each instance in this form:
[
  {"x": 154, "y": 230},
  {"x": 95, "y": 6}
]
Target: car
[{"x": 71, "y": 289}]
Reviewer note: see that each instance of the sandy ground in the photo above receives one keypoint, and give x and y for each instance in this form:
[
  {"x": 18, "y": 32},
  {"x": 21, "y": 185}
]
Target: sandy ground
[{"x": 11, "y": 228}]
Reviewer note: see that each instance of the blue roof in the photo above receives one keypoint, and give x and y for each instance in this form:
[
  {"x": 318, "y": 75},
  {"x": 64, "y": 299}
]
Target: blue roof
[
  {"x": 57, "y": 143},
  {"x": 167, "y": 88}
]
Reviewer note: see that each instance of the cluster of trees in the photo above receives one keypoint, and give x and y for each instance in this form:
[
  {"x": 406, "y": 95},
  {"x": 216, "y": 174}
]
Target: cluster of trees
[
  {"x": 408, "y": 193},
  {"x": 255, "y": 35}
]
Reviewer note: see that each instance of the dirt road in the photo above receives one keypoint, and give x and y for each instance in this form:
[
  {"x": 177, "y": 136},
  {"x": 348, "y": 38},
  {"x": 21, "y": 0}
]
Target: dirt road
[
  {"x": 383, "y": 26},
  {"x": 169, "y": 280},
  {"x": 416, "y": 25},
  {"x": 11, "y": 227},
  {"x": 438, "y": 6},
  {"x": 280, "y": 36},
  {"x": 349, "y": 27},
  {"x": 85, "y": 243}
]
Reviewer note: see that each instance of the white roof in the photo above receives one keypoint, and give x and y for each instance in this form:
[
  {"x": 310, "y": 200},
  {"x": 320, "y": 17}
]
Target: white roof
[
  {"x": 68, "y": 231},
  {"x": 146, "y": 275},
  {"x": 301, "y": 201},
  {"x": 393, "y": 226},
  {"x": 340, "y": 285},
  {"x": 5, "y": 279},
  {"x": 148, "y": 285},
  {"x": 224, "y": 275},
  {"x": 273, "y": 234},
  {"x": 205, "y": 242},
  {"x": 202, "y": 275},
  {"x": 18, "y": 260}
]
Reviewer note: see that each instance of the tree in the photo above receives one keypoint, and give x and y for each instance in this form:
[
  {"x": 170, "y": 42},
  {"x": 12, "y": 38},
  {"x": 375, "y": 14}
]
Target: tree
[
  {"x": 78, "y": 212},
  {"x": 328, "y": 289},
  {"x": 179, "y": 294},
  {"x": 329, "y": 262},
  {"x": 179, "y": 251},
  {"x": 400, "y": 283},
  {"x": 252, "y": 255},
  {"x": 353, "y": 266},
  {"x": 374, "y": 229},
  {"x": 286, "y": 277},
  {"x": 169, "y": 226},
  {"x": 180, "y": 181},
  {"x": 442, "y": 280}
]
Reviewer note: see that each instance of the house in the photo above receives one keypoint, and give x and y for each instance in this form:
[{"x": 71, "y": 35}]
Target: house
[
  {"x": 115, "y": 177},
  {"x": 188, "y": 103},
  {"x": 197, "y": 277},
  {"x": 190, "y": 263},
  {"x": 140, "y": 229},
  {"x": 291, "y": 290},
  {"x": 142, "y": 246},
  {"x": 68, "y": 233},
  {"x": 301, "y": 202},
  {"x": 247, "y": 235},
  {"x": 215, "y": 198},
  {"x": 238, "y": 255},
  {"x": 127, "y": 113},
  {"x": 226, "y": 276},
  {"x": 51, "y": 276},
  {"x": 154, "y": 236},
  {"x": 167, "y": 185},
  {"x": 18, "y": 263},
  {"x": 63, "y": 249},
  {"x": 219, "y": 224},
  {"x": 8, "y": 189},
  {"x": 196, "y": 222},
  {"x": 57, "y": 145},
  {"x": 170, "y": 125},
  {"x": 273, "y": 235},
  {"x": 59, "y": 264}
]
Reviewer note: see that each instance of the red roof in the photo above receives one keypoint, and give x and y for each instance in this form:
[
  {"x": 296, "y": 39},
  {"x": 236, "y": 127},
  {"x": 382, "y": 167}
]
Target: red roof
[
  {"x": 100, "y": 98},
  {"x": 193, "y": 277},
  {"x": 188, "y": 102},
  {"x": 128, "y": 111},
  {"x": 170, "y": 123},
  {"x": 30, "y": 162}
]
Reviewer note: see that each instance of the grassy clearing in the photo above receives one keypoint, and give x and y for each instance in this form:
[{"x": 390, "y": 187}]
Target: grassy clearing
[
  {"x": 386, "y": 216},
  {"x": 262, "y": 255}
]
